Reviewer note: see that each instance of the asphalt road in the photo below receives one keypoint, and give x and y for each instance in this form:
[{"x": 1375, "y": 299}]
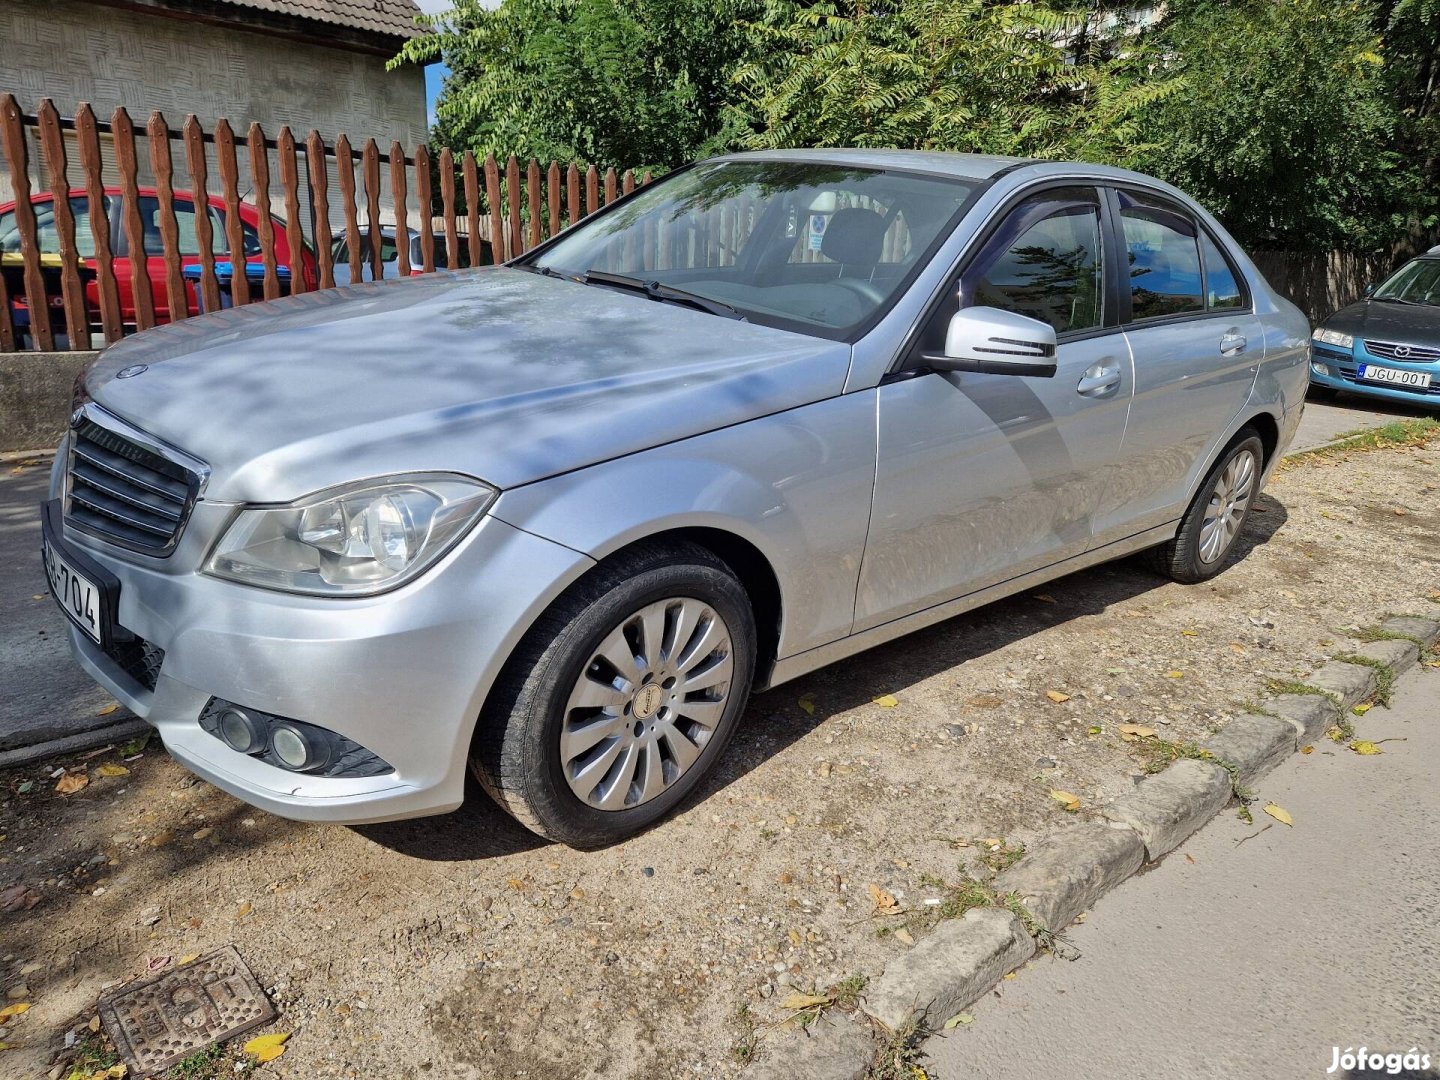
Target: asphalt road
[
  {"x": 1325, "y": 421},
  {"x": 1252, "y": 950},
  {"x": 43, "y": 695}
]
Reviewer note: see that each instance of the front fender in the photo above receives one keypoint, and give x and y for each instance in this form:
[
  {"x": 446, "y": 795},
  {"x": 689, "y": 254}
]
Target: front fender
[{"x": 795, "y": 485}]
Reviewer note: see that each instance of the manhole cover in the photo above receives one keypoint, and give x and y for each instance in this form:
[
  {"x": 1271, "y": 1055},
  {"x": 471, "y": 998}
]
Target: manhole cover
[{"x": 155, "y": 1023}]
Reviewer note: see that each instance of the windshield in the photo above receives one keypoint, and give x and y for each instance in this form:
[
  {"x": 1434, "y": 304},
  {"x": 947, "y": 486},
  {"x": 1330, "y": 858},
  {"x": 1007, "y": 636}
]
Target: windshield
[
  {"x": 1417, "y": 282},
  {"x": 812, "y": 247}
]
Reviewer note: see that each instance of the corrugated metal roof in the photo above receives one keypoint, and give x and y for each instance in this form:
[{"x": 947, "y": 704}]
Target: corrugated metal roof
[{"x": 392, "y": 18}]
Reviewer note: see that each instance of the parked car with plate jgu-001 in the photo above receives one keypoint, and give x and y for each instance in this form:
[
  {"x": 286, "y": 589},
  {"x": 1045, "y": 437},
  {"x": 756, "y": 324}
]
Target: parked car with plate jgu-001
[
  {"x": 1388, "y": 344},
  {"x": 555, "y": 520}
]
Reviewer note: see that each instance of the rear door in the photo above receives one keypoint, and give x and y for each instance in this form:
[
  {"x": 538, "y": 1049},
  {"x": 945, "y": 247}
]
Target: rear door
[
  {"x": 1197, "y": 346},
  {"x": 980, "y": 477}
]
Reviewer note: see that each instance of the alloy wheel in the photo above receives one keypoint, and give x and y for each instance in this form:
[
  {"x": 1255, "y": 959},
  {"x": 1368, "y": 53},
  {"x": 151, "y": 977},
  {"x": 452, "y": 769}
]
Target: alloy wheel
[
  {"x": 646, "y": 703},
  {"x": 1226, "y": 509}
]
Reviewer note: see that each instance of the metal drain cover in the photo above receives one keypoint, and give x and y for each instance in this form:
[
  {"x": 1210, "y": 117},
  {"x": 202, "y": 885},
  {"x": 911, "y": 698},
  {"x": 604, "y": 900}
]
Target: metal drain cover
[{"x": 155, "y": 1023}]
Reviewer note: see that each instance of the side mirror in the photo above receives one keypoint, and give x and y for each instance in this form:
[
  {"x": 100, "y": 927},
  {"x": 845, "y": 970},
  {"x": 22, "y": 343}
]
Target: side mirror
[
  {"x": 1370, "y": 289},
  {"x": 996, "y": 342}
]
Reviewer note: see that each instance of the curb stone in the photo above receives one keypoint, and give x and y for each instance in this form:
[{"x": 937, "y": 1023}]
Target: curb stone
[
  {"x": 960, "y": 960},
  {"x": 1253, "y": 744},
  {"x": 1167, "y": 807},
  {"x": 70, "y": 744},
  {"x": 1348, "y": 684},
  {"x": 835, "y": 1047},
  {"x": 1398, "y": 655},
  {"x": 1310, "y": 714},
  {"x": 1071, "y": 871},
  {"x": 949, "y": 968}
]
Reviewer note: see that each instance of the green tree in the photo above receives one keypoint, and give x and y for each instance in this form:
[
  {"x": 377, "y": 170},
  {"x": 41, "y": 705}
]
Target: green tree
[{"x": 640, "y": 83}]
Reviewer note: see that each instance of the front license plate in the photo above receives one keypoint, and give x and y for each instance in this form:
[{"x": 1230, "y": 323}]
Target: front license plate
[
  {"x": 78, "y": 596},
  {"x": 1415, "y": 380}
]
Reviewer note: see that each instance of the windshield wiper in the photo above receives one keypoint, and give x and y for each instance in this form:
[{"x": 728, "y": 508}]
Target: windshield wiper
[
  {"x": 1397, "y": 300},
  {"x": 547, "y": 271},
  {"x": 657, "y": 290}
]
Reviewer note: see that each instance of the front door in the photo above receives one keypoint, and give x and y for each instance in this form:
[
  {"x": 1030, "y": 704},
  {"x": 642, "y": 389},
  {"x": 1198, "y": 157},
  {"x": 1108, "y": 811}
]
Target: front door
[{"x": 981, "y": 478}]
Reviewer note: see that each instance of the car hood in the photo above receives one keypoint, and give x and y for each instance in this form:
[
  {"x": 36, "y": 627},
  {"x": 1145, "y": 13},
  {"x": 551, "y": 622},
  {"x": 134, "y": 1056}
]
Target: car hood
[
  {"x": 498, "y": 373},
  {"x": 1376, "y": 320}
]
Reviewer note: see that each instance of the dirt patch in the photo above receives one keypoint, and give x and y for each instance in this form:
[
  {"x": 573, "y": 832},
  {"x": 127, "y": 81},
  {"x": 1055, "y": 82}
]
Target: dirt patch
[{"x": 463, "y": 947}]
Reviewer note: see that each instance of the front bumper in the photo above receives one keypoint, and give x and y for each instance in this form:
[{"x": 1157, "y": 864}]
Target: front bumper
[
  {"x": 404, "y": 674},
  {"x": 1338, "y": 369}
]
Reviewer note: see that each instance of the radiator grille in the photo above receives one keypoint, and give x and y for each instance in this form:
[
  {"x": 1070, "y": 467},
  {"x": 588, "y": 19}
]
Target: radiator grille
[
  {"x": 1390, "y": 350},
  {"x": 126, "y": 493}
]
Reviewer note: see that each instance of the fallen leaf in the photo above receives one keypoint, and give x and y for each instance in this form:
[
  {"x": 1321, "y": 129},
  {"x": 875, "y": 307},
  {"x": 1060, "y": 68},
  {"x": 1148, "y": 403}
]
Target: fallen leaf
[
  {"x": 796, "y": 1001},
  {"x": 1044, "y": 598},
  {"x": 108, "y": 709},
  {"x": 903, "y": 936},
  {"x": 1067, "y": 800},
  {"x": 796, "y": 938},
  {"x": 72, "y": 782},
  {"x": 1174, "y": 674},
  {"x": 26, "y": 786},
  {"x": 1400, "y": 511},
  {"x": 958, "y": 1019},
  {"x": 38, "y": 596},
  {"x": 886, "y": 701},
  {"x": 1057, "y": 697},
  {"x": 1365, "y": 748},
  {"x": 113, "y": 770},
  {"x": 201, "y": 834},
  {"x": 18, "y": 898},
  {"x": 1307, "y": 749},
  {"x": 157, "y": 963},
  {"x": 18, "y": 1009},
  {"x": 263, "y": 1044},
  {"x": 160, "y": 839},
  {"x": 1131, "y": 732},
  {"x": 1012, "y": 975},
  {"x": 1095, "y": 729},
  {"x": 243, "y": 910},
  {"x": 884, "y": 902},
  {"x": 807, "y": 703},
  {"x": 1190, "y": 633},
  {"x": 1279, "y": 813},
  {"x": 1236, "y": 647},
  {"x": 1362, "y": 708},
  {"x": 1190, "y": 858},
  {"x": 182, "y": 962}
]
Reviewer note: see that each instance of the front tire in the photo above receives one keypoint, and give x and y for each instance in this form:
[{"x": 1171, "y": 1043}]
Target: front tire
[
  {"x": 1216, "y": 516},
  {"x": 621, "y": 699}
]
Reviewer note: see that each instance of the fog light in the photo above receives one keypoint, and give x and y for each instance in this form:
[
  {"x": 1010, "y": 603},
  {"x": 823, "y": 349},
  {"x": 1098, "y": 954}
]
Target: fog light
[
  {"x": 300, "y": 749},
  {"x": 241, "y": 731},
  {"x": 1319, "y": 369}
]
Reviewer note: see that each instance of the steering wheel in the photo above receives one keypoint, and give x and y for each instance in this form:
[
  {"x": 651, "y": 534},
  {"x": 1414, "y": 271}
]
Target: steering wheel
[{"x": 866, "y": 290}]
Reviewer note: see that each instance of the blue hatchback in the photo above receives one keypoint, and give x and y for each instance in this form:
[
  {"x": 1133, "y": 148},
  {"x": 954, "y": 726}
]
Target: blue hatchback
[{"x": 1387, "y": 345}]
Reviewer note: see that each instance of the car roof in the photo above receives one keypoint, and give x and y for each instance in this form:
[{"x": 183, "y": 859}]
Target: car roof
[{"x": 965, "y": 166}]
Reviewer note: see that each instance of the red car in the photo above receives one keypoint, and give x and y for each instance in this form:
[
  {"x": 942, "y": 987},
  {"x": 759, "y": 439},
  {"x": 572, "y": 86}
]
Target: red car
[{"x": 49, "y": 241}]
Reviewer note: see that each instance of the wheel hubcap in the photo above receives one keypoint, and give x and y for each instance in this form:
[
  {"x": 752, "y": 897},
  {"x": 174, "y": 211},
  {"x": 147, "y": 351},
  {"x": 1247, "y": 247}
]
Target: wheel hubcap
[
  {"x": 1225, "y": 512},
  {"x": 646, "y": 704}
]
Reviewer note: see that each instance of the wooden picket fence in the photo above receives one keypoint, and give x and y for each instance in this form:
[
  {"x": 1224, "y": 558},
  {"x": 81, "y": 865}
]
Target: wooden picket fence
[{"x": 509, "y": 208}]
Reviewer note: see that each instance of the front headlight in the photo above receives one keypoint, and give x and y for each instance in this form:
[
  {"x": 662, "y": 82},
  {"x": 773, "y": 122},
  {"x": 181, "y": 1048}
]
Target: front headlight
[
  {"x": 354, "y": 540},
  {"x": 1334, "y": 337}
]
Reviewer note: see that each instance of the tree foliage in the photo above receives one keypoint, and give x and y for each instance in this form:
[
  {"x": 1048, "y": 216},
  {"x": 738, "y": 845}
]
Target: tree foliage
[{"x": 1306, "y": 124}]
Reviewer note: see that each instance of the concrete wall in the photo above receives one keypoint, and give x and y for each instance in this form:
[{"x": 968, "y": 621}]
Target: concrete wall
[
  {"x": 73, "y": 51},
  {"x": 35, "y": 397}
]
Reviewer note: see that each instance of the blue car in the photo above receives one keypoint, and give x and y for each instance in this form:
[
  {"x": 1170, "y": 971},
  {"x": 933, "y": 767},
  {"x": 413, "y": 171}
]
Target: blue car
[{"x": 1387, "y": 345}]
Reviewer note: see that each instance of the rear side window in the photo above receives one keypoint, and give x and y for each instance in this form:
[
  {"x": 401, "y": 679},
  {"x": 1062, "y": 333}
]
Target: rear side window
[
  {"x": 1163, "y": 251},
  {"x": 1222, "y": 283},
  {"x": 1044, "y": 262}
]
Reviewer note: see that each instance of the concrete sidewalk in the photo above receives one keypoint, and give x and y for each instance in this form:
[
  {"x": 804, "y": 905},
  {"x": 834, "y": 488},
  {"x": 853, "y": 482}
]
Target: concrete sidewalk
[
  {"x": 44, "y": 695},
  {"x": 1252, "y": 950}
]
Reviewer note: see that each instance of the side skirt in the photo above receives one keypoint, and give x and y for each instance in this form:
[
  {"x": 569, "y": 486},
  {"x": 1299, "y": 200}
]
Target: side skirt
[{"x": 792, "y": 667}]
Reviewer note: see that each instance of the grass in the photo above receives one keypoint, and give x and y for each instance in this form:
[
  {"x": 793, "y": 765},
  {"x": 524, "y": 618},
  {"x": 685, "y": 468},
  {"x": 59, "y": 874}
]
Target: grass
[
  {"x": 900, "y": 1057},
  {"x": 1369, "y": 634},
  {"x": 846, "y": 992},
  {"x": 208, "y": 1064},
  {"x": 1281, "y": 686},
  {"x": 743, "y": 1051},
  {"x": 1397, "y": 434},
  {"x": 1384, "y": 676},
  {"x": 1160, "y": 753},
  {"x": 91, "y": 1054}
]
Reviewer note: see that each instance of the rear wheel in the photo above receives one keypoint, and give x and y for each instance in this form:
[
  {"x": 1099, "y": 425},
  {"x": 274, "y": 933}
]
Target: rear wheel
[
  {"x": 1216, "y": 516},
  {"x": 622, "y": 698}
]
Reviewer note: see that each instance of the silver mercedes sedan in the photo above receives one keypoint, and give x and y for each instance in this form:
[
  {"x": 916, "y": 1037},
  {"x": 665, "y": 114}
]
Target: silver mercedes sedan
[{"x": 554, "y": 521}]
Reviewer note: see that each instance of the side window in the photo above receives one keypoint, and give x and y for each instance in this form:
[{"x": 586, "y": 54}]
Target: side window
[
  {"x": 1044, "y": 262},
  {"x": 1222, "y": 283},
  {"x": 47, "y": 232},
  {"x": 1162, "y": 247}
]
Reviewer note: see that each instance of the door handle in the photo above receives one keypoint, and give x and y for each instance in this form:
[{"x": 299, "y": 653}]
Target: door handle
[
  {"x": 1232, "y": 342},
  {"x": 1098, "y": 380}
]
